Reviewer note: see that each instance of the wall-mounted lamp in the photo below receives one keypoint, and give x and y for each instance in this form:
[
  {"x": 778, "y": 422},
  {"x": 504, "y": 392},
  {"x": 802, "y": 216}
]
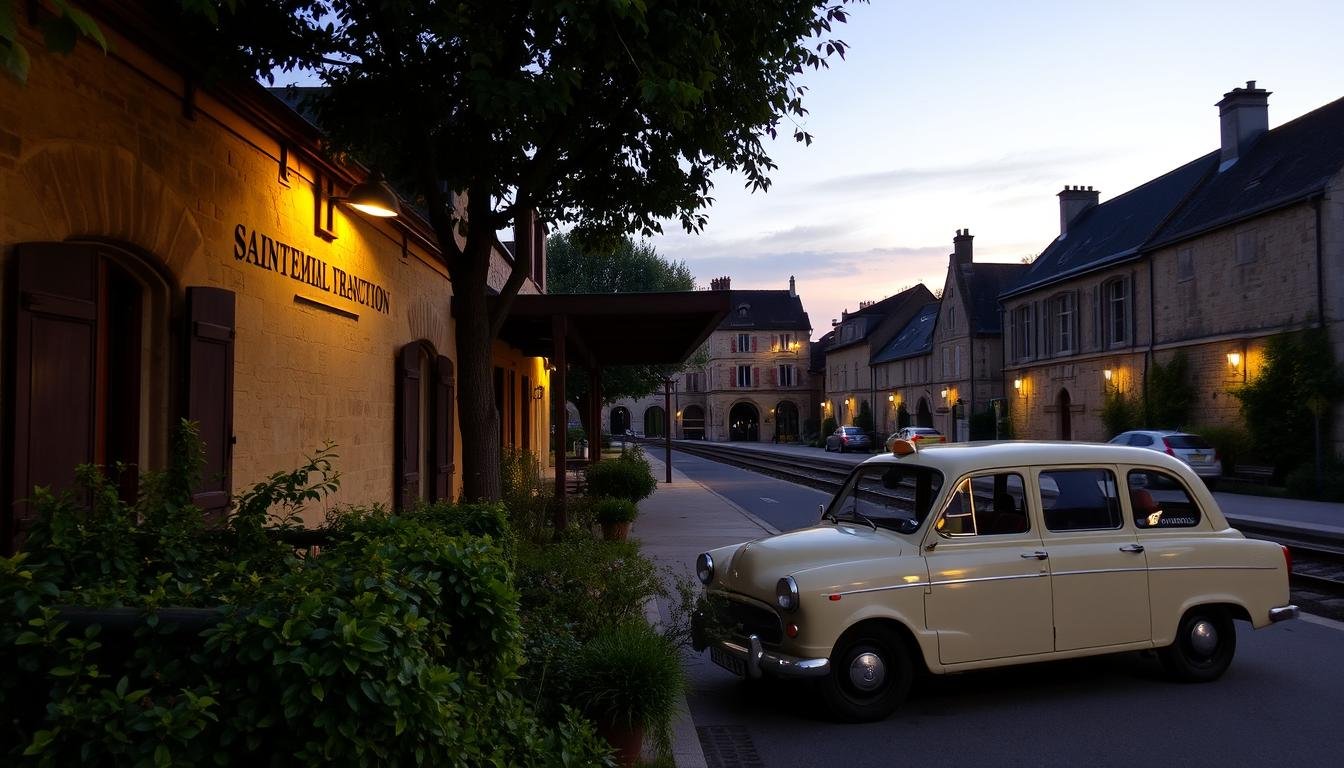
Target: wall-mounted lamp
[
  {"x": 1017, "y": 384},
  {"x": 944, "y": 393},
  {"x": 1108, "y": 373},
  {"x": 538, "y": 392},
  {"x": 891, "y": 398},
  {"x": 1234, "y": 359},
  {"x": 373, "y": 197}
]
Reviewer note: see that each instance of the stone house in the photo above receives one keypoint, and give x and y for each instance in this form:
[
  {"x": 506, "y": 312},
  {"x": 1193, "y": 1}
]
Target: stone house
[
  {"x": 1208, "y": 260},
  {"x": 947, "y": 364},
  {"x": 859, "y": 336},
  {"x": 755, "y": 385}
]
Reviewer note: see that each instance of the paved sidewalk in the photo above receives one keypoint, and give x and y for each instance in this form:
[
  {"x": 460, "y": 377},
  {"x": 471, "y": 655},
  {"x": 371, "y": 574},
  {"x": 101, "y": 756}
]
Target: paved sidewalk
[{"x": 675, "y": 524}]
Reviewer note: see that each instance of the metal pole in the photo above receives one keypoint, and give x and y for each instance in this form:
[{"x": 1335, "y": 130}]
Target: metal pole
[
  {"x": 559, "y": 329},
  {"x": 667, "y": 427}
]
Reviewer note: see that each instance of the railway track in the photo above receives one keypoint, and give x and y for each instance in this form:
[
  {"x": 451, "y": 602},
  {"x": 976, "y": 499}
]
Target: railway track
[{"x": 1318, "y": 561}]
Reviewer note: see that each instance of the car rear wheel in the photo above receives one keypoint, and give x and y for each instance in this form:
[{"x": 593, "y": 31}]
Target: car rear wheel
[
  {"x": 870, "y": 675},
  {"x": 1206, "y": 641}
]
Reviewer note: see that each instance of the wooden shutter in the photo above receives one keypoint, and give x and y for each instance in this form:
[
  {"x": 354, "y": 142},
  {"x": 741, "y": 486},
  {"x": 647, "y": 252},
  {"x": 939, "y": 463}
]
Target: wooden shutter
[
  {"x": 407, "y": 457},
  {"x": 55, "y": 370},
  {"x": 444, "y": 404},
  {"x": 753, "y": 343},
  {"x": 209, "y": 395},
  {"x": 755, "y": 374},
  {"x": 732, "y": 344}
]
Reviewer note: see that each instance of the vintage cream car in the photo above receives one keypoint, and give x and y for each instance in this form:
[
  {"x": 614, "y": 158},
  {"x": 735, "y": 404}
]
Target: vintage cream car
[{"x": 961, "y": 557}]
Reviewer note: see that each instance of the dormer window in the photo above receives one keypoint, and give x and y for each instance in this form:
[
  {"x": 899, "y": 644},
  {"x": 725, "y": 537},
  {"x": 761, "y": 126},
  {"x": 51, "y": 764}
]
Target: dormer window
[{"x": 743, "y": 310}]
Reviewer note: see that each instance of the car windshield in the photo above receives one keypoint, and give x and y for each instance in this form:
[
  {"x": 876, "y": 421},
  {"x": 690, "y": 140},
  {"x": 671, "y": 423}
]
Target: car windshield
[
  {"x": 1187, "y": 441},
  {"x": 890, "y": 496}
]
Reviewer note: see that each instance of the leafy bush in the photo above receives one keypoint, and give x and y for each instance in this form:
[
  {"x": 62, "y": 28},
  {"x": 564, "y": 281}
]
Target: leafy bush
[
  {"x": 526, "y": 493},
  {"x": 627, "y": 477},
  {"x": 864, "y": 418},
  {"x": 1301, "y": 482},
  {"x": 1119, "y": 412},
  {"x": 584, "y": 585},
  {"x": 400, "y": 643},
  {"x": 1234, "y": 446},
  {"x": 1170, "y": 395},
  {"x": 1294, "y": 390},
  {"x": 629, "y": 676},
  {"x": 828, "y": 426},
  {"x": 609, "y": 511}
]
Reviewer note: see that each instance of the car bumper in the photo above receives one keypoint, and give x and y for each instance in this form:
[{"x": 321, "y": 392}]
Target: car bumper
[
  {"x": 754, "y": 662},
  {"x": 1283, "y": 613}
]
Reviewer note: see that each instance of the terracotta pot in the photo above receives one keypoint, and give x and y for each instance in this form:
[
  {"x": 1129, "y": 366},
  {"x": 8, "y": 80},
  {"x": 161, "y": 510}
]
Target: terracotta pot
[
  {"x": 615, "y": 531},
  {"x": 626, "y": 740}
]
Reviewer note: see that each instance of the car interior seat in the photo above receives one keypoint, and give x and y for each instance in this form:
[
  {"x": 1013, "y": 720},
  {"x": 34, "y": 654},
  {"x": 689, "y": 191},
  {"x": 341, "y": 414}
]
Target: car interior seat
[
  {"x": 1144, "y": 506},
  {"x": 1007, "y": 517}
]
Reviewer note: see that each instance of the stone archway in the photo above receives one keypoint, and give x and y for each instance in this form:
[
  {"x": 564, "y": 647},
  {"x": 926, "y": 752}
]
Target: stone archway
[
  {"x": 923, "y": 415},
  {"x": 620, "y": 420},
  {"x": 786, "y": 422},
  {"x": 1065, "y": 417},
  {"x": 744, "y": 423},
  {"x": 693, "y": 423},
  {"x": 655, "y": 420}
]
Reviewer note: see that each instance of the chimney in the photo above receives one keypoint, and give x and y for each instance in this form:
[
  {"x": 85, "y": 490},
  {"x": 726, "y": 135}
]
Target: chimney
[
  {"x": 720, "y": 283},
  {"x": 793, "y": 289},
  {"x": 1072, "y": 202},
  {"x": 1243, "y": 115},
  {"x": 961, "y": 247}
]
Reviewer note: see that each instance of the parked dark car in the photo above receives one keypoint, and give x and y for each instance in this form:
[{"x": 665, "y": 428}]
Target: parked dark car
[{"x": 849, "y": 439}]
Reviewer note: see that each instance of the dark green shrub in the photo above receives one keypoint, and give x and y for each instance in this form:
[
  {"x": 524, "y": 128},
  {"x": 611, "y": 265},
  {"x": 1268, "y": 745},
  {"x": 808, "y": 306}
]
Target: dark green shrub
[
  {"x": 864, "y": 418},
  {"x": 1119, "y": 412},
  {"x": 628, "y": 477},
  {"x": 526, "y": 493},
  {"x": 609, "y": 511},
  {"x": 584, "y": 584},
  {"x": 828, "y": 427},
  {"x": 1170, "y": 398},
  {"x": 1233, "y": 444},
  {"x": 1302, "y": 481},
  {"x": 982, "y": 425},
  {"x": 1293, "y": 392},
  {"x": 628, "y": 676}
]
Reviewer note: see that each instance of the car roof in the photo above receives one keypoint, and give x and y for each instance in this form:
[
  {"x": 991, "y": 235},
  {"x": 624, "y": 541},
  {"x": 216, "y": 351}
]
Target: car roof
[{"x": 961, "y": 458}]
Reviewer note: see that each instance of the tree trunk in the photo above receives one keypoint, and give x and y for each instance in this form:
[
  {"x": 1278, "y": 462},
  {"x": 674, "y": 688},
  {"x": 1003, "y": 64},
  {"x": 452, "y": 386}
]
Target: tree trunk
[{"x": 475, "y": 386}]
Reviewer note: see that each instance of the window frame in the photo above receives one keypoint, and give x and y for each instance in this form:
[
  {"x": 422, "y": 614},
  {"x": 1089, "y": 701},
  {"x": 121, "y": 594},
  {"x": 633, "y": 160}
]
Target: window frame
[
  {"x": 1118, "y": 295},
  {"x": 1116, "y": 510},
  {"x": 738, "y": 378}
]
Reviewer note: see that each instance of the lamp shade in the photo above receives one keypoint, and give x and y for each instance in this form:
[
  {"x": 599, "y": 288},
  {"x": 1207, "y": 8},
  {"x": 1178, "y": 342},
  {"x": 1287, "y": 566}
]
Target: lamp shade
[{"x": 375, "y": 198}]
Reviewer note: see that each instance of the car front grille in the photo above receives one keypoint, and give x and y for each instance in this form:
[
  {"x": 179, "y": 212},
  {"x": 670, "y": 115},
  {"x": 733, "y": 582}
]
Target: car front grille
[{"x": 744, "y": 619}]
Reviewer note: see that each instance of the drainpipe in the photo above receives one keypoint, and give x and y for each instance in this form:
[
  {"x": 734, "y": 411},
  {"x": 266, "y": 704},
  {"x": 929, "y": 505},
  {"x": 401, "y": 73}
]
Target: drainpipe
[
  {"x": 1152, "y": 335},
  {"x": 1320, "y": 263}
]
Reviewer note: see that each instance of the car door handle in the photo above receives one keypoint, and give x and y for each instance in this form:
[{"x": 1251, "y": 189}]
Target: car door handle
[
  {"x": 1037, "y": 555},
  {"x": 1132, "y": 548}
]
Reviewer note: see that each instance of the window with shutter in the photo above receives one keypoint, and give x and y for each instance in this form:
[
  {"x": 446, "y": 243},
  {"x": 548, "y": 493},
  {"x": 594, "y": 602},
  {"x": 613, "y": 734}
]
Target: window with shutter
[
  {"x": 445, "y": 402},
  {"x": 409, "y": 459},
  {"x": 210, "y": 314}
]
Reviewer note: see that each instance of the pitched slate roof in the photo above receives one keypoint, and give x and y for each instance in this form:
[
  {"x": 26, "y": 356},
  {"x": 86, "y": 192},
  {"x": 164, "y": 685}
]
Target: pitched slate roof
[
  {"x": 765, "y": 310},
  {"x": 1114, "y": 230},
  {"x": 981, "y": 284},
  {"x": 867, "y": 320},
  {"x": 916, "y": 338},
  {"x": 1287, "y": 164}
]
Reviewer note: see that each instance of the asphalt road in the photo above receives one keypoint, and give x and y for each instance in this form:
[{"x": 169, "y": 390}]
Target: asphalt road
[{"x": 1280, "y": 703}]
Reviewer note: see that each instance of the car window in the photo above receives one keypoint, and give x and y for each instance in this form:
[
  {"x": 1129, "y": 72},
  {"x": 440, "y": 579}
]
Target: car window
[
  {"x": 1159, "y": 500},
  {"x": 1141, "y": 440},
  {"x": 1119, "y": 440},
  {"x": 1079, "y": 499},
  {"x": 892, "y": 496},
  {"x": 986, "y": 505},
  {"x": 1187, "y": 441}
]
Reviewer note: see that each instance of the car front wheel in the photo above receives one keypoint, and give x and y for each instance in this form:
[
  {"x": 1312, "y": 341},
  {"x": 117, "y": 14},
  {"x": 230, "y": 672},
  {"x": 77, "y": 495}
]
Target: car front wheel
[
  {"x": 1206, "y": 641},
  {"x": 870, "y": 675}
]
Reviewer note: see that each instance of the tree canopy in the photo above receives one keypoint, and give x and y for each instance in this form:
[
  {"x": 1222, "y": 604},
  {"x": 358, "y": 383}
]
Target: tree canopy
[{"x": 624, "y": 266}]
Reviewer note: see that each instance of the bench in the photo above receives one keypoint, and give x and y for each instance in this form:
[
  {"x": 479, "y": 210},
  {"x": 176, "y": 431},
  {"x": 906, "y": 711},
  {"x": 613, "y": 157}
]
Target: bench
[{"x": 1256, "y": 472}]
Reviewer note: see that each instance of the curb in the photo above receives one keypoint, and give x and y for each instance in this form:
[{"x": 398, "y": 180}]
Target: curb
[{"x": 686, "y": 749}]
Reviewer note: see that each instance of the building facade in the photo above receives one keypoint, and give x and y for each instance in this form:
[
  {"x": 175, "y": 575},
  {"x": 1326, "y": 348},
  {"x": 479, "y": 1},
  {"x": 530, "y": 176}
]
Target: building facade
[
  {"x": 754, "y": 385},
  {"x": 175, "y": 253},
  {"x": 1207, "y": 261},
  {"x": 851, "y": 383}
]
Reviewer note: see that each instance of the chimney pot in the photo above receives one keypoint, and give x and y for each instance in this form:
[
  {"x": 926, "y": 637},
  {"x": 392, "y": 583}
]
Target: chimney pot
[{"x": 1243, "y": 117}]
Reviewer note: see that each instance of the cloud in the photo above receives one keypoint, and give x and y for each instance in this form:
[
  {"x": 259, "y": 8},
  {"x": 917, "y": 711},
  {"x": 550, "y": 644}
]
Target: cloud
[{"x": 1000, "y": 173}]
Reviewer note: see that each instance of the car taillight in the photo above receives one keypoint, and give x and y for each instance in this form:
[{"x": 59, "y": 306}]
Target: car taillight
[
  {"x": 1216, "y": 456},
  {"x": 1287, "y": 558},
  {"x": 1168, "y": 446},
  {"x": 845, "y": 440}
]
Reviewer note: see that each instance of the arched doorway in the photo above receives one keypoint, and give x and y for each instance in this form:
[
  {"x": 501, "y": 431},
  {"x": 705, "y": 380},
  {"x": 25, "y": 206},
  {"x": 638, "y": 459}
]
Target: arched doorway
[
  {"x": 923, "y": 416},
  {"x": 744, "y": 423},
  {"x": 654, "y": 419},
  {"x": 693, "y": 423},
  {"x": 620, "y": 420},
  {"x": 786, "y": 422},
  {"x": 1065, "y": 420}
]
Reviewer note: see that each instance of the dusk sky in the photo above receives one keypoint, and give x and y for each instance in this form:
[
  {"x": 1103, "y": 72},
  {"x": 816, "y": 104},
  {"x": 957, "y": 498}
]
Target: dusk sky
[{"x": 975, "y": 115}]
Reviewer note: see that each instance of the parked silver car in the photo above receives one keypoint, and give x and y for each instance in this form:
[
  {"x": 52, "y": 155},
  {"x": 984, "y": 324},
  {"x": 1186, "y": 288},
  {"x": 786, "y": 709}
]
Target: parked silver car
[
  {"x": 849, "y": 439},
  {"x": 1192, "y": 449}
]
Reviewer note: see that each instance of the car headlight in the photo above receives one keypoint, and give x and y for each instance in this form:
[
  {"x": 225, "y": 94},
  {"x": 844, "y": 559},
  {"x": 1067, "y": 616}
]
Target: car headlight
[
  {"x": 704, "y": 568},
  {"x": 786, "y": 594}
]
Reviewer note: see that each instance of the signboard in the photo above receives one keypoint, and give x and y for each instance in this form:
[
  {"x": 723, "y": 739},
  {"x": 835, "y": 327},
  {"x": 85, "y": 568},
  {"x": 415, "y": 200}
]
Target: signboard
[{"x": 281, "y": 258}]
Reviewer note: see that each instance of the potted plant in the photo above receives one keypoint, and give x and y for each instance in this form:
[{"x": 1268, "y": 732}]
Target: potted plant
[
  {"x": 628, "y": 680},
  {"x": 615, "y": 515}
]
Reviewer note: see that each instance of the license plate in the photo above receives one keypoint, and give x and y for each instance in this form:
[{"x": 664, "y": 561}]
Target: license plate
[
  {"x": 1199, "y": 457},
  {"x": 727, "y": 661}
]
